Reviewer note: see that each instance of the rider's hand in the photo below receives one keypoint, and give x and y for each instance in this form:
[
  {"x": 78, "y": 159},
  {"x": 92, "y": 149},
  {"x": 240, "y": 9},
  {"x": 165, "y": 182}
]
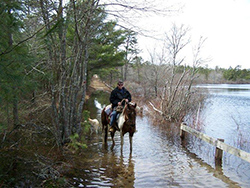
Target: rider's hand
[
  {"x": 119, "y": 103},
  {"x": 126, "y": 100}
]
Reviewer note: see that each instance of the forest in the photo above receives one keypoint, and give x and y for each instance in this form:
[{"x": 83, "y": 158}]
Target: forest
[{"x": 49, "y": 51}]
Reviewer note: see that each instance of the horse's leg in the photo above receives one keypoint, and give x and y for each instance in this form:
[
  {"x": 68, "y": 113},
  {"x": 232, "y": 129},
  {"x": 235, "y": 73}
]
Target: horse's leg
[
  {"x": 122, "y": 140},
  {"x": 105, "y": 134},
  {"x": 131, "y": 141},
  {"x": 112, "y": 136}
]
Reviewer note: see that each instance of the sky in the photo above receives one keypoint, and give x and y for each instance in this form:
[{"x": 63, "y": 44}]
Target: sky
[{"x": 224, "y": 23}]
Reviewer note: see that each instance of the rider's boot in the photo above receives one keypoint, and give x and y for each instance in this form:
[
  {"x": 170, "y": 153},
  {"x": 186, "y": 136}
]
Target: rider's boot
[
  {"x": 111, "y": 129},
  {"x": 111, "y": 126}
]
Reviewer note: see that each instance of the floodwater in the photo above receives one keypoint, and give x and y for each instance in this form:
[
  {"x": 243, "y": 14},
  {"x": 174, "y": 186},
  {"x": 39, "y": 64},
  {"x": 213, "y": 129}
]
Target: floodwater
[
  {"x": 159, "y": 159},
  {"x": 227, "y": 116}
]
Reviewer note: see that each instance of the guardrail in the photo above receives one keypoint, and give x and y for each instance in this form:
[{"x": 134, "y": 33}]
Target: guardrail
[{"x": 218, "y": 143}]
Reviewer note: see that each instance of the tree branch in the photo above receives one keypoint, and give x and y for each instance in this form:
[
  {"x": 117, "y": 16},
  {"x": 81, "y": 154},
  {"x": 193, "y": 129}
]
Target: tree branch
[{"x": 28, "y": 38}]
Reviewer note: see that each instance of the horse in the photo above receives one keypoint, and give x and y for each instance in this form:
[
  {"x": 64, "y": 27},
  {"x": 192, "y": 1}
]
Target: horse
[{"x": 126, "y": 123}]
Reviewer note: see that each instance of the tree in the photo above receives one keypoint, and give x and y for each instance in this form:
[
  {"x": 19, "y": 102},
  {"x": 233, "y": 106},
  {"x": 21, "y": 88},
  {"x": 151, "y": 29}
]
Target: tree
[
  {"x": 68, "y": 34},
  {"x": 154, "y": 73},
  {"x": 138, "y": 66},
  {"x": 105, "y": 53},
  {"x": 14, "y": 57},
  {"x": 177, "y": 98},
  {"x": 131, "y": 51},
  {"x": 79, "y": 43}
]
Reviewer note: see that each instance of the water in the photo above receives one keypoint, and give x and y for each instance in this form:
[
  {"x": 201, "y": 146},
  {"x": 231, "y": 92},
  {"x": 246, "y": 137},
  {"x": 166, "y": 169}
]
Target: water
[
  {"x": 159, "y": 159},
  {"x": 226, "y": 114}
]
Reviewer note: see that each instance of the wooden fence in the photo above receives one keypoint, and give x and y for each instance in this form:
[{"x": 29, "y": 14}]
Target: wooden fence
[{"x": 218, "y": 143}]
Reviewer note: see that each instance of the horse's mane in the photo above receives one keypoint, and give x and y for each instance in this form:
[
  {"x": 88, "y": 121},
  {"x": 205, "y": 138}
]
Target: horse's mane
[{"x": 126, "y": 106}]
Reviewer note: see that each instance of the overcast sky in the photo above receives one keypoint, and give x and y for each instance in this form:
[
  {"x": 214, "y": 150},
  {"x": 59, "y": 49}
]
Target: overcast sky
[{"x": 225, "y": 24}]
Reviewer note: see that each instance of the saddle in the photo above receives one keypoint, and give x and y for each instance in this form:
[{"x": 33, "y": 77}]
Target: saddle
[{"x": 108, "y": 109}]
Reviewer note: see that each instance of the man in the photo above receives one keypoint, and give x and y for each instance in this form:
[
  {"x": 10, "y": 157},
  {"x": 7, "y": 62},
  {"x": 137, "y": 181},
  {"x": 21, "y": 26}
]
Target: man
[{"x": 116, "y": 96}]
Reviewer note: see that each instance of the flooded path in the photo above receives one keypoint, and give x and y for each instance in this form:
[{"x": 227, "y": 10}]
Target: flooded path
[{"x": 158, "y": 160}]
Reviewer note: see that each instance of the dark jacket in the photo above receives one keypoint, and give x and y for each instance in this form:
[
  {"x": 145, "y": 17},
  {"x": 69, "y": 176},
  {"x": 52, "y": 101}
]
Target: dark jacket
[{"x": 117, "y": 96}]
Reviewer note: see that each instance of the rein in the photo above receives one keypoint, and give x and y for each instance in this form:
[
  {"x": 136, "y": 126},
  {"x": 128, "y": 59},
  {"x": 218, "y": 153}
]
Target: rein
[{"x": 122, "y": 101}]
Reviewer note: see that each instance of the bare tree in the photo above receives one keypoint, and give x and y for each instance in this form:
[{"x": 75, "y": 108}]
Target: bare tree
[
  {"x": 154, "y": 73},
  {"x": 175, "y": 42},
  {"x": 177, "y": 95}
]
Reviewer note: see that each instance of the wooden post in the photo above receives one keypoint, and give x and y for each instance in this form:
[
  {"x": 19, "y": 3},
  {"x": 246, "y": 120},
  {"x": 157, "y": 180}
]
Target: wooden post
[
  {"x": 182, "y": 132},
  {"x": 218, "y": 154}
]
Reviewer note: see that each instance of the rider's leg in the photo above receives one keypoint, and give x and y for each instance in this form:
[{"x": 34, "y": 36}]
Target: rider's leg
[
  {"x": 112, "y": 117},
  {"x": 113, "y": 124}
]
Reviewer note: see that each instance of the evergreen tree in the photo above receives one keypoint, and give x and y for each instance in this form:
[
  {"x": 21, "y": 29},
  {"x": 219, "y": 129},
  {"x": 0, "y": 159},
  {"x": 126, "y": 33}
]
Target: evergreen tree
[
  {"x": 14, "y": 57},
  {"x": 105, "y": 52}
]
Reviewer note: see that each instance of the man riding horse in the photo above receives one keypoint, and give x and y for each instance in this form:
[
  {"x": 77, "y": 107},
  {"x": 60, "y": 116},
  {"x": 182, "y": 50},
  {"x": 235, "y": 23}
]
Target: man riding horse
[{"x": 118, "y": 97}]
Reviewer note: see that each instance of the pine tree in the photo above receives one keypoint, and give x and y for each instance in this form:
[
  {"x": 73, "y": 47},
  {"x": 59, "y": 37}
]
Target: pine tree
[{"x": 14, "y": 57}]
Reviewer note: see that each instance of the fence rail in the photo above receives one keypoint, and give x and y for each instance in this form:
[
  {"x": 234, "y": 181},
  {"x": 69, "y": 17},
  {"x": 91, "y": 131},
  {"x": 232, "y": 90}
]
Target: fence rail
[{"x": 218, "y": 143}]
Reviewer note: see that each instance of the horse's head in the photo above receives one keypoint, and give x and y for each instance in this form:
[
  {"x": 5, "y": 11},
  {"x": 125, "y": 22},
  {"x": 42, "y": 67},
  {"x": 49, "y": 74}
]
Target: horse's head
[{"x": 130, "y": 114}]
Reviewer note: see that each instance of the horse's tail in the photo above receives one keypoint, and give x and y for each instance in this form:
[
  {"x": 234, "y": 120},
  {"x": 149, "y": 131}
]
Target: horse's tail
[{"x": 103, "y": 118}]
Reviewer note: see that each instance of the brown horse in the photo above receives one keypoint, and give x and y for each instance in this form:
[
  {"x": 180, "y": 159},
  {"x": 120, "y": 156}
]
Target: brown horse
[{"x": 126, "y": 123}]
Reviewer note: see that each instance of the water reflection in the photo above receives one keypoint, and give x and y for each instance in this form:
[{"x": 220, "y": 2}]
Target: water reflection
[
  {"x": 100, "y": 166},
  {"x": 217, "y": 171}
]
